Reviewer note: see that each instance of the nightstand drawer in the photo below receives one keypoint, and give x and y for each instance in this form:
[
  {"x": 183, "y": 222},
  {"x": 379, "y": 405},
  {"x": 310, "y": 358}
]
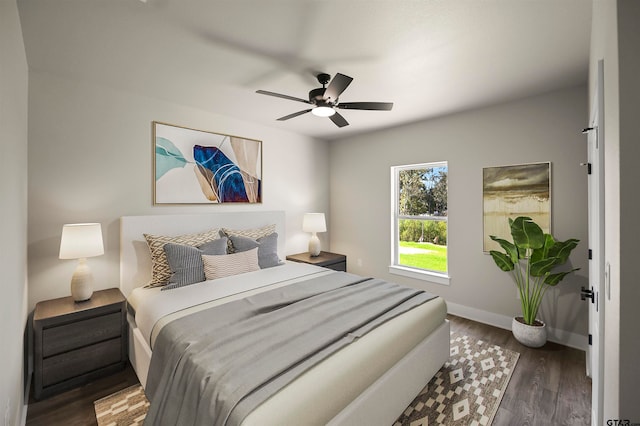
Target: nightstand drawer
[
  {"x": 75, "y": 335},
  {"x": 57, "y": 368},
  {"x": 340, "y": 266}
]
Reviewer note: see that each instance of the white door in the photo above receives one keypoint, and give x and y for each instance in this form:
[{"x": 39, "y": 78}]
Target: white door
[{"x": 595, "y": 352}]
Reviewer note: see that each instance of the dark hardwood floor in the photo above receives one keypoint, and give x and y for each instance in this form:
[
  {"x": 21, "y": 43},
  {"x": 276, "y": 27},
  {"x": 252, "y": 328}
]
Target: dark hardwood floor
[
  {"x": 548, "y": 387},
  {"x": 75, "y": 407}
]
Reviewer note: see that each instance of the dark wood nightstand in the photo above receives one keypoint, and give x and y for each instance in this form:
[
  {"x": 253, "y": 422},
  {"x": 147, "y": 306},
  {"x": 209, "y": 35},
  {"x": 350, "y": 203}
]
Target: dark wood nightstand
[
  {"x": 329, "y": 260},
  {"x": 76, "y": 342}
]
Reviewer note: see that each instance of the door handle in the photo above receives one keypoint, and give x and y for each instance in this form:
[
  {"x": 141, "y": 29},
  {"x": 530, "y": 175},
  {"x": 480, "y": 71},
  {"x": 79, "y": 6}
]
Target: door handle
[{"x": 587, "y": 294}]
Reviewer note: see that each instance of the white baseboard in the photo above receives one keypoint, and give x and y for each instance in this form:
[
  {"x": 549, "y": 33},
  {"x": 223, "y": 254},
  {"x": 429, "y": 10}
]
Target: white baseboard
[
  {"x": 23, "y": 420},
  {"x": 27, "y": 392},
  {"x": 567, "y": 338}
]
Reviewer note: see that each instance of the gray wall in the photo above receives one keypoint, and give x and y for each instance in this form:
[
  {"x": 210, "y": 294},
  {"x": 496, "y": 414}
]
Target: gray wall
[
  {"x": 90, "y": 160},
  {"x": 629, "y": 66},
  {"x": 615, "y": 39},
  {"x": 537, "y": 129},
  {"x": 13, "y": 212}
]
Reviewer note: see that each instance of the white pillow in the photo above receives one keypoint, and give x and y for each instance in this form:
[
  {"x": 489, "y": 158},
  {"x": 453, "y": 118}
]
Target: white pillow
[{"x": 219, "y": 266}]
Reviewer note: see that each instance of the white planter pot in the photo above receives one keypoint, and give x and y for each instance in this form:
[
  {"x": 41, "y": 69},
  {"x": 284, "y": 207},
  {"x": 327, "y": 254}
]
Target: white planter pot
[{"x": 533, "y": 336}]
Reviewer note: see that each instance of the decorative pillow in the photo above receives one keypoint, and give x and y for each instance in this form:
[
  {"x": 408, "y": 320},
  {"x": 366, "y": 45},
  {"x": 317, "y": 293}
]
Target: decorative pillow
[
  {"x": 253, "y": 233},
  {"x": 230, "y": 264},
  {"x": 160, "y": 271},
  {"x": 267, "y": 248},
  {"x": 186, "y": 261}
]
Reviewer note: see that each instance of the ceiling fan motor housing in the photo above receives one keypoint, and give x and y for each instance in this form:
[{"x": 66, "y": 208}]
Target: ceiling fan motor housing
[{"x": 316, "y": 95}]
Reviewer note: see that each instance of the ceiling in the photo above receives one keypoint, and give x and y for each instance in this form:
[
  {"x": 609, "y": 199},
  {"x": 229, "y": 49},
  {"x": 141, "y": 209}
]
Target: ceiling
[{"x": 429, "y": 57}]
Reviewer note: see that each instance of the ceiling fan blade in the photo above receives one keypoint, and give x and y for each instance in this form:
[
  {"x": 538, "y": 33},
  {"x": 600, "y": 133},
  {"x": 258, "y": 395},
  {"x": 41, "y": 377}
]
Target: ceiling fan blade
[
  {"x": 337, "y": 86},
  {"x": 295, "y": 114},
  {"x": 339, "y": 120},
  {"x": 371, "y": 106},
  {"x": 280, "y": 95}
]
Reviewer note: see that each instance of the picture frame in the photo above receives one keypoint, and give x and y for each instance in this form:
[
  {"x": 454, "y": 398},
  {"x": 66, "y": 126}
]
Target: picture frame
[
  {"x": 201, "y": 167},
  {"x": 512, "y": 191}
]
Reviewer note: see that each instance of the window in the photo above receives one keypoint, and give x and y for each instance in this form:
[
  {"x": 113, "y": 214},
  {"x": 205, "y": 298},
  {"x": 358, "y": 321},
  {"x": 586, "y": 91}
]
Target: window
[{"x": 419, "y": 224}]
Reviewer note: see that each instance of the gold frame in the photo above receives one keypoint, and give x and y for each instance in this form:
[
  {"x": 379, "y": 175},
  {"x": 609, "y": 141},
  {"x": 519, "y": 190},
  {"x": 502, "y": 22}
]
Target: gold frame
[{"x": 508, "y": 187}]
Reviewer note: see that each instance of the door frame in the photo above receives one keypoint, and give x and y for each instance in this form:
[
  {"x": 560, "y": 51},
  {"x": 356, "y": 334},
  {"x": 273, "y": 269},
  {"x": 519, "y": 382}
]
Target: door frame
[{"x": 595, "y": 351}]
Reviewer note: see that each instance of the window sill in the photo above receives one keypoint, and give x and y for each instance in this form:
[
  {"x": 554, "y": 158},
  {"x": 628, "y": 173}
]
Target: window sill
[{"x": 420, "y": 274}]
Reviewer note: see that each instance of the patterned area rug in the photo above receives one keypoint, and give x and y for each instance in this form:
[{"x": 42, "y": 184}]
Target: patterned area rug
[
  {"x": 127, "y": 407},
  {"x": 466, "y": 391}
]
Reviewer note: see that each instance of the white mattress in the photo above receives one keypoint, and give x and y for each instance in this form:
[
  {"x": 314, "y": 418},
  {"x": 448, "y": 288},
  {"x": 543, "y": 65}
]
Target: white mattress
[
  {"x": 155, "y": 308},
  {"x": 347, "y": 373}
]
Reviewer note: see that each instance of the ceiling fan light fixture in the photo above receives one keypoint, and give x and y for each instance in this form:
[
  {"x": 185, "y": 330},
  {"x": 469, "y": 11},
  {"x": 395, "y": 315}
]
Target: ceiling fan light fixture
[
  {"x": 324, "y": 100},
  {"x": 323, "y": 111}
]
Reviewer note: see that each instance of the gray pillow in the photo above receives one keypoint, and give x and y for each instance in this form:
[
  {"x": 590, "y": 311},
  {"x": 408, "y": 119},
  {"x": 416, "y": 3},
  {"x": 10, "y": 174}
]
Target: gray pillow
[
  {"x": 267, "y": 248},
  {"x": 186, "y": 264}
]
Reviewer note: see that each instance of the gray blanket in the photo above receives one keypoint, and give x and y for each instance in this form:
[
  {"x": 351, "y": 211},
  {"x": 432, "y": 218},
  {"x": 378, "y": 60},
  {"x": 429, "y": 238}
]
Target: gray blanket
[{"x": 215, "y": 366}]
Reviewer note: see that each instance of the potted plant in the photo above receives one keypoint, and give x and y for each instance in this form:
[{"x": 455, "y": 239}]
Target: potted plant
[{"x": 531, "y": 259}]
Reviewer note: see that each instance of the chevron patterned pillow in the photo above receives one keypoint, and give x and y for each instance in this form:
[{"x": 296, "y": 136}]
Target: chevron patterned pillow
[
  {"x": 253, "y": 233},
  {"x": 160, "y": 270}
]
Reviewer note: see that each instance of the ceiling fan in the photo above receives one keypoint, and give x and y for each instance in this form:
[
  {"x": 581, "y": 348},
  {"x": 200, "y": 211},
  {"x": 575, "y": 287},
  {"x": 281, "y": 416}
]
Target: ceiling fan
[{"x": 325, "y": 100}]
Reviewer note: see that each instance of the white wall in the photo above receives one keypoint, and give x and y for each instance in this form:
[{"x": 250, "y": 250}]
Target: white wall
[
  {"x": 90, "y": 159},
  {"x": 537, "y": 129},
  {"x": 615, "y": 39},
  {"x": 13, "y": 212}
]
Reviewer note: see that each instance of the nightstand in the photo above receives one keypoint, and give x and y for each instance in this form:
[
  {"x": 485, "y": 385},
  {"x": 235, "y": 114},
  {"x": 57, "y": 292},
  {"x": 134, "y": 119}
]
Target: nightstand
[
  {"x": 76, "y": 342},
  {"x": 329, "y": 260}
]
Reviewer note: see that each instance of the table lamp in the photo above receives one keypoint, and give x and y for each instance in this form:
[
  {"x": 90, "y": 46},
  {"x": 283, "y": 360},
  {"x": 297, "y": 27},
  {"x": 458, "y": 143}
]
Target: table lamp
[
  {"x": 314, "y": 222},
  {"x": 79, "y": 241}
]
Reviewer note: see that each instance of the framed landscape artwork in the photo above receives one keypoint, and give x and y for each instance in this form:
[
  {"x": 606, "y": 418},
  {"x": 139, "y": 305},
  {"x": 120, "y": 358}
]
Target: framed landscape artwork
[
  {"x": 200, "y": 167},
  {"x": 512, "y": 191}
]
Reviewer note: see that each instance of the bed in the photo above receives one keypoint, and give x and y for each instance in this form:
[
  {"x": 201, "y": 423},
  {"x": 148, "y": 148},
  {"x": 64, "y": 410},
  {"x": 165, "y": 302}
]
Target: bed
[{"x": 370, "y": 381}]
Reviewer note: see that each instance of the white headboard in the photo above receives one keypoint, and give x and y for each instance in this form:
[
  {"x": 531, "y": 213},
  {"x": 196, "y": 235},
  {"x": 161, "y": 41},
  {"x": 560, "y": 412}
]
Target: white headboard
[{"x": 135, "y": 261}]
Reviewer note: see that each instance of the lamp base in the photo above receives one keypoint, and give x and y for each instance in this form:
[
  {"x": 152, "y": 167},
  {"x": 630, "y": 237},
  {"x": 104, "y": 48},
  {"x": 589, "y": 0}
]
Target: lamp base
[
  {"x": 314, "y": 245},
  {"x": 82, "y": 282}
]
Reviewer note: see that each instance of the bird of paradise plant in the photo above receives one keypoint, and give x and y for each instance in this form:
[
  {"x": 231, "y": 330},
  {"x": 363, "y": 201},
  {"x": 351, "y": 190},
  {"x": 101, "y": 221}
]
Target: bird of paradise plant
[{"x": 531, "y": 260}]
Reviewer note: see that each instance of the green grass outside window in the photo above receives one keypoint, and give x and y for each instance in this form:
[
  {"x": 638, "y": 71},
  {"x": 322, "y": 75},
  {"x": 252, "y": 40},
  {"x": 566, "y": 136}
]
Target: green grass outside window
[{"x": 428, "y": 256}]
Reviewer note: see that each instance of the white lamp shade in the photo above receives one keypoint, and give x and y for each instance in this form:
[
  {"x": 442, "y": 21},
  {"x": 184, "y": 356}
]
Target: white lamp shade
[
  {"x": 80, "y": 240},
  {"x": 314, "y": 222}
]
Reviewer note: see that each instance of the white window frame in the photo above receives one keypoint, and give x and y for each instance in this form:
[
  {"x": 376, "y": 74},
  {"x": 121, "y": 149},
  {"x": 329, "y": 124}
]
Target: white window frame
[{"x": 395, "y": 267}]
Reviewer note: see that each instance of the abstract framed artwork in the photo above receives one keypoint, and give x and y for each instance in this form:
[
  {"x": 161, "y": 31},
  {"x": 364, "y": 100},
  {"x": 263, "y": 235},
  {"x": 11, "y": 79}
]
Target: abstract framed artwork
[
  {"x": 200, "y": 167},
  {"x": 512, "y": 191}
]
